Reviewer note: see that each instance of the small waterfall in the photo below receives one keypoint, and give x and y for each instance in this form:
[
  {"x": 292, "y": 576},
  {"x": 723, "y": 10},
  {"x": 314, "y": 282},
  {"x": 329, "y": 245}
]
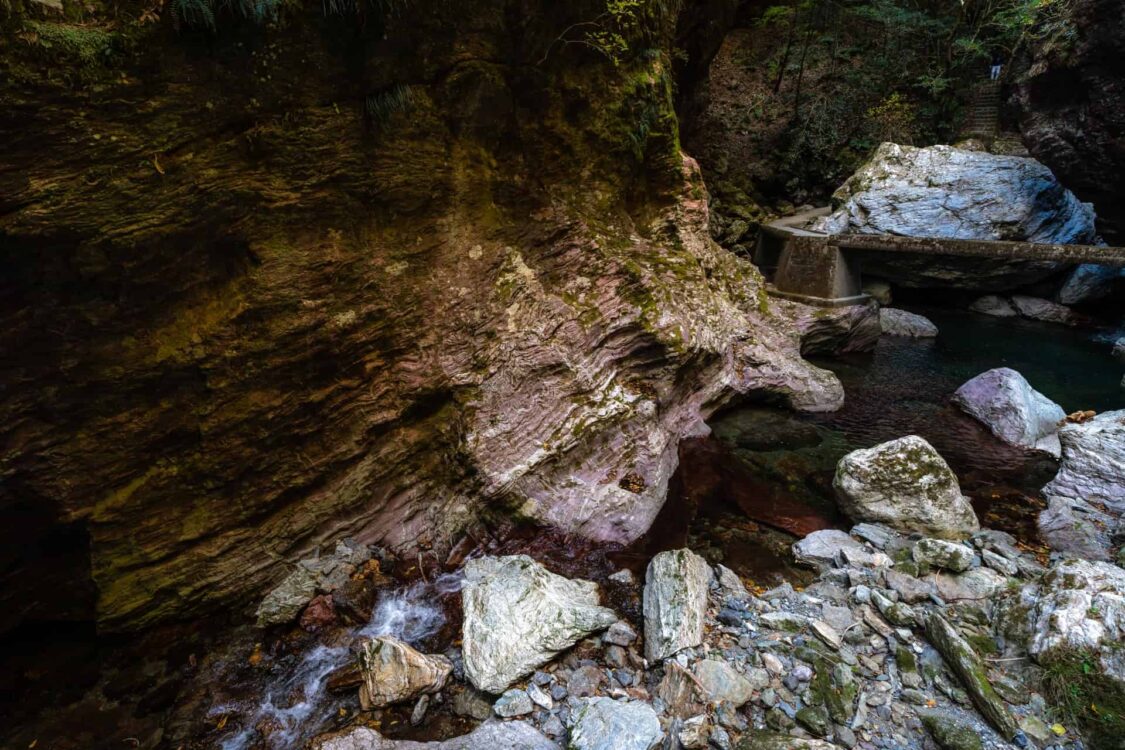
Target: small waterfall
[{"x": 296, "y": 702}]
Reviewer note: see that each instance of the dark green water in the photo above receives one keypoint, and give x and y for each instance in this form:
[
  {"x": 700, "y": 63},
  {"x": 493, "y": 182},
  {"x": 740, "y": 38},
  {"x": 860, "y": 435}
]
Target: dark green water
[{"x": 904, "y": 387}]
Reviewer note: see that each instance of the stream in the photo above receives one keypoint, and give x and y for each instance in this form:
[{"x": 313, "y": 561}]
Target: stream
[{"x": 740, "y": 497}]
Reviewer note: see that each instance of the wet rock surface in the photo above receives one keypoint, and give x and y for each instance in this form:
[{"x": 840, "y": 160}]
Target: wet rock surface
[{"x": 393, "y": 672}]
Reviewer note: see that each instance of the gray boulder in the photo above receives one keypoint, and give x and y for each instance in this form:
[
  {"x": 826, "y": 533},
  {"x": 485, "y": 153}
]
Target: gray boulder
[
  {"x": 518, "y": 615},
  {"x": 607, "y": 724},
  {"x": 1074, "y": 527},
  {"x": 1078, "y": 608},
  {"x": 821, "y": 548},
  {"x": 1005, "y": 402},
  {"x": 1093, "y": 462},
  {"x": 394, "y": 672},
  {"x": 902, "y": 323},
  {"x": 722, "y": 683},
  {"x": 938, "y": 553},
  {"x": 907, "y": 485},
  {"x": 941, "y": 191},
  {"x": 1089, "y": 283},
  {"x": 675, "y": 602},
  {"x": 493, "y": 735},
  {"x": 998, "y": 307},
  {"x": 1037, "y": 308},
  {"x": 1119, "y": 349}
]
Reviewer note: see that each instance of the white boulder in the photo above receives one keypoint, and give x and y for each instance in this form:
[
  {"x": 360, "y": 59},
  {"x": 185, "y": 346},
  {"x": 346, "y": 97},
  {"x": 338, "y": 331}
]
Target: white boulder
[
  {"x": 907, "y": 485},
  {"x": 1005, "y": 402},
  {"x": 518, "y": 615},
  {"x": 608, "y": 724}
]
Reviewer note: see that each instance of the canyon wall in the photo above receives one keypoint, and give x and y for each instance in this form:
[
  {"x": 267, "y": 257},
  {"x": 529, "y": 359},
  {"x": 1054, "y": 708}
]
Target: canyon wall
[
  {"x": 374, "y": 274},
  {"x": 1071, "y": 107}
]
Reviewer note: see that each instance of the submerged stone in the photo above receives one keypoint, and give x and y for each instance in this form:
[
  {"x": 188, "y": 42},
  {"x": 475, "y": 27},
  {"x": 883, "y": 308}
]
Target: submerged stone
[{"x": 1005, "y": 402}]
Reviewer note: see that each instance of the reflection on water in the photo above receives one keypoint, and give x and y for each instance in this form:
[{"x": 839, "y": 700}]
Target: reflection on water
[{"x": 903, "y": 388}]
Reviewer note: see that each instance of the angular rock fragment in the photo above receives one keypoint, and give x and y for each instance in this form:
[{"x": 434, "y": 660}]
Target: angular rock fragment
[
  {"x": 938, "y": 553},
  {"x": 675, "y": 602},
  {"x": 394, "y": 672},
  {"x": 897, "y": 322},
  {"x": 906, "y": 485},
  {"x": 518, "y": 615},
  {"x": 607, "y": 724}
]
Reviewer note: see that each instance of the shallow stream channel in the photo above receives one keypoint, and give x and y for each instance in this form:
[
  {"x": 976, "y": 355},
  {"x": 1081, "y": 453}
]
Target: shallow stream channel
[{"x": 740, "y": 498}]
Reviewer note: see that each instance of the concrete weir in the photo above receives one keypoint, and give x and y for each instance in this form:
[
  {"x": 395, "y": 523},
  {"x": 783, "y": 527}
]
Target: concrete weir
[{"x": 826, "y": 269}]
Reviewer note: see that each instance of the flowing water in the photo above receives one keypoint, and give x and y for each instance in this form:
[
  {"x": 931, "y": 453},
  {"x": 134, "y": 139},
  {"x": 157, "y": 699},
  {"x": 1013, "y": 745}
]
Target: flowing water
[
  {"x": 296, "y": 705},
  {"x": 740, "y": 497}
]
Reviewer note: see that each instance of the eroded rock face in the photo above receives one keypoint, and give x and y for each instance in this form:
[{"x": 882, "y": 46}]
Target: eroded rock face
[
  {"x": 1093, "y": 461},
  {"x": 675, "y": 602},
  {"x": 283, "y": 330},
  {"x": 1086, "y": 499},
  {"x": 1072, "y": 108},
  {"x": 1005, "y": 402},
  {"x": 394, "y": 672},
  {"x": 518, "y": 615},
  {"x": 1078, "y": 609},
  {"x": 906, "y": 485}
]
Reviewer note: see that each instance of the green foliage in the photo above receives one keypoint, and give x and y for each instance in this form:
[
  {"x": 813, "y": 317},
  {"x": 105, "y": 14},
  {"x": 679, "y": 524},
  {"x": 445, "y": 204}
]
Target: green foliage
[
  {"x": 1080, "y": 695},
  {"x": 85, "y": 45},
  {"x": 893, "y": 119},
  {"x": 194, "y": 14},
  {"x": 624, "y": 26},
  {"x": 381, "y": 106}
]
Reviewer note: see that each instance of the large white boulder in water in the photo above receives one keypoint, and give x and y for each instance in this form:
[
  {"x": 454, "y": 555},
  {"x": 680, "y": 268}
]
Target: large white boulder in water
[
  {"x": 1077, "y": 610},
  {"x": 519, "y": 615},
  {"x": 675, "y": 602},
  {"x": 1006, "y": 404},
  {"x": 941, "y": 191},
  {"x": 907, "y": 485},
  {"x": 945, "y": 192}
]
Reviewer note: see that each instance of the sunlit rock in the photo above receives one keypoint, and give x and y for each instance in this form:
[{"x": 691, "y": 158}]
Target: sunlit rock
[
  {"x": 675, "y": 602},
  {"x": 394, "y": 672}
]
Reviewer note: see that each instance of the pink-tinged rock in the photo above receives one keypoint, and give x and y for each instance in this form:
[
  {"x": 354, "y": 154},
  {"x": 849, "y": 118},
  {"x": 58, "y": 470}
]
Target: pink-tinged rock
[
  {"x": 1005, "y": 402},
  {"x": 320, "y": 613}
]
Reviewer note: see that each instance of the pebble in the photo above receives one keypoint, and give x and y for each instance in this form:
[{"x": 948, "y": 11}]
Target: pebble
[
  {"x": 539, "y": 697},
  {"x": 620, "y": 633},
  {"x": 514, "y": 702}
]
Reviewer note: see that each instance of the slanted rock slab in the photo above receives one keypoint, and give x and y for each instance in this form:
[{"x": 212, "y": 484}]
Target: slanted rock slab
[
  {"x": 675, "y": 602},
  {"x": 965, "y": 663},
  {"x": 519, "y": 615},
  {"x": 907, "y": 485}
]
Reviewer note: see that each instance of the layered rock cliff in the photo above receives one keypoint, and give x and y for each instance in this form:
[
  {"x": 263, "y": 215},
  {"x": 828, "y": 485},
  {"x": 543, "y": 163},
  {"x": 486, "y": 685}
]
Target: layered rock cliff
[
  {"x": 368, "y": 274},
  {"x": 1071, "y": 105}
]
